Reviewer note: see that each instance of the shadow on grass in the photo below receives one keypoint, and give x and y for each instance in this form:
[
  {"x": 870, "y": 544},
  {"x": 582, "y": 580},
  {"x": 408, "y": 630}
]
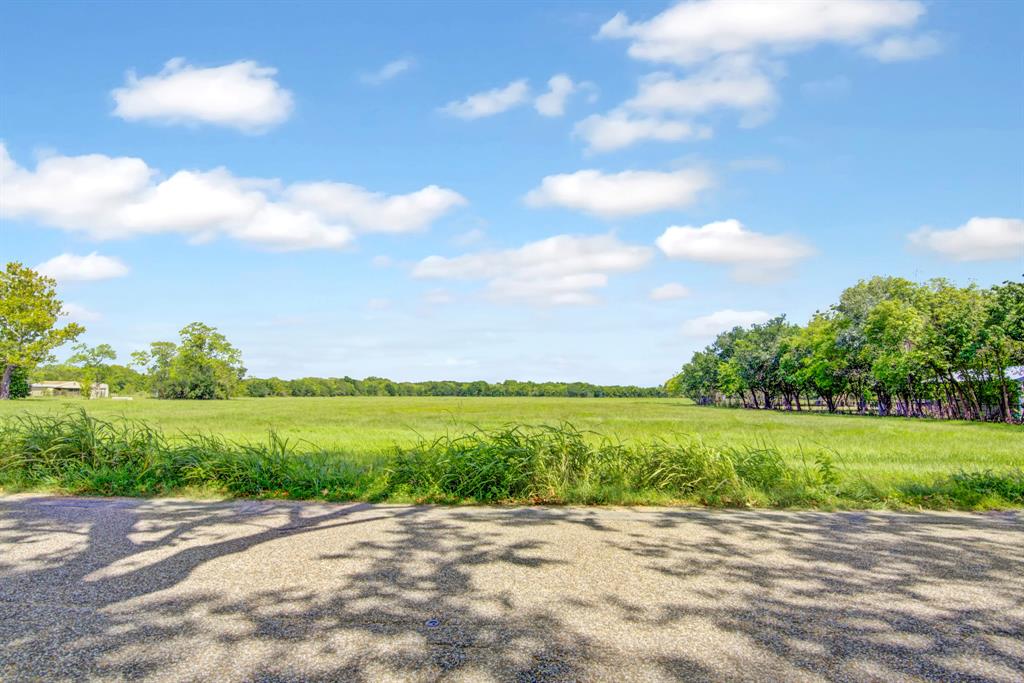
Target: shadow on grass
[{"x": 119, "y": 589}]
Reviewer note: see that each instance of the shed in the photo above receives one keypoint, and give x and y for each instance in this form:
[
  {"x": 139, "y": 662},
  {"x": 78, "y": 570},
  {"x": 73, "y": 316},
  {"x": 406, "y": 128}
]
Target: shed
[{"x": 62, "y": 388}]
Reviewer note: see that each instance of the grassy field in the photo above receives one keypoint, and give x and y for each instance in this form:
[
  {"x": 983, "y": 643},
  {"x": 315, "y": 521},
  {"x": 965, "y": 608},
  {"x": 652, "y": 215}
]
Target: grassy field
[{"x": 883, "y": 450}]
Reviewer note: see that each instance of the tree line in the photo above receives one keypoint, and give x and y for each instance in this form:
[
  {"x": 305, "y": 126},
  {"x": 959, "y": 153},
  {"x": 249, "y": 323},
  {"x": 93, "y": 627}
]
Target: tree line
[
  {"x": 889, "y": 346},
  {"x": 379, "y": 386},
  {"x": 162, "y": 380},
  {"x": 202, "y": 364}
]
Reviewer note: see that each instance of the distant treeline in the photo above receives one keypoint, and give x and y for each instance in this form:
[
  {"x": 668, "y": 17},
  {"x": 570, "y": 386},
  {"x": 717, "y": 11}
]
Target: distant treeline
[
  {"x": 127, "y": 381},
  {"x": 379, "y": 386},
  {"x": 889, "y": 346}
]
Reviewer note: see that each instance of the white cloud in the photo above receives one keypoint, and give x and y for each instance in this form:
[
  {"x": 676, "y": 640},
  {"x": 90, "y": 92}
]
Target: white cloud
[
  {"x": 91, "y": 267},
  {"x": 904, "y": 48},
  {"x": 242, "y": 95},
  {"x": 734, "y": 82},
  {"x": 552, "y": 103},
  {"x": 374, "y": 211},
  {"x": 560, "y": 270},
  {"x": 720, "y": 321},
  {"x": 378, "y": 304},
  {"x": 560, "y": 87},
  {"x": 110, "y": 198},
  {"x": 490, "y": 102},
  {"x": 387, "y": 72},
  {"x": 382, "y": 261},
  {"x": 733, "y": 49},
  {"x": 979, "y": 239},
  {"x": 621, "y": 194},
  {"x": 691, "y": 32},
  {"x": 80, "y": 314},
  {"x": 669, "y": 292},
  {"x": 619, "y": 129},
  {"x": 755, "y": 256}
]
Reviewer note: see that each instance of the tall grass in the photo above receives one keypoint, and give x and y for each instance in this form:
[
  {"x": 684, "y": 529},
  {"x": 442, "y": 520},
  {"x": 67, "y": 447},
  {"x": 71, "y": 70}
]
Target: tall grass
[
  {"x": 78, "y": 453},
  {"x": 559, "y": 463}
]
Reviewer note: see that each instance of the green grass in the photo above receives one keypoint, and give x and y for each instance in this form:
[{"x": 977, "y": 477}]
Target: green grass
[{"x": 351, "y": 443}]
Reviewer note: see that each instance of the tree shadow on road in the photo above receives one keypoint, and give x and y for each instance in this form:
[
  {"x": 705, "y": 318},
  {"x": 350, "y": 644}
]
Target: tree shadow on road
[
  {"x": 108, "y": 601},
  {"x": 117, "y": 589},
  {"x": 848, "y": 595}
]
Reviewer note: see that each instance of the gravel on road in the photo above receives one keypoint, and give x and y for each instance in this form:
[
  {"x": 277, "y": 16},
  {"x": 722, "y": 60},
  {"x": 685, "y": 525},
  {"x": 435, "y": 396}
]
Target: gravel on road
[{"x": 179, "y": 590}]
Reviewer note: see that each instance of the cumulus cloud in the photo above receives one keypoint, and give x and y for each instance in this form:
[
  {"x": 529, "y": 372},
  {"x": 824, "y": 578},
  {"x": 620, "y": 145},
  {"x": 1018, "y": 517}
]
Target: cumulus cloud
[
  {"x": 979, "y": 239},
  {"x": 664, "y": 105},
  {"x": 490, "y": 102},
  {"x": 691, "y": 32},
  {"x": 387, "y": 72},
  {"x": 621, "y": 194},
  {"x": 619, "y": 129},
  {"x": 755, "y": 257},
  {"x": 560, "y": 270},
  {"x": 721, "y": 321},
  {"x": 108, "y": 198},
  {"x": 560, "y": 88},
  {"x": 669, "y": 292},
  {"x": 904, "y": 48},
  {"x": 88, "y": 268},
  {"x": 375, "y": 211},
  {"x": 734, "y": 82},
  {"x": 242, "y": 95},
  {"x": 732, "y": 51}
]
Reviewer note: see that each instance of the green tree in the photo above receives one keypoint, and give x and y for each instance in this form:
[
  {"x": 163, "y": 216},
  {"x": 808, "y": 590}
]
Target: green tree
[
  {"x": 29, "y": 311},
  {"x": 1002, "y": 341},
  {"x": 206, "y": 366},
  {"x": 821, "y": 361},
  {"x": 93, "y": 362},
  {"x": 19, "y": 383},
  {"x": 698, "y": 379}
]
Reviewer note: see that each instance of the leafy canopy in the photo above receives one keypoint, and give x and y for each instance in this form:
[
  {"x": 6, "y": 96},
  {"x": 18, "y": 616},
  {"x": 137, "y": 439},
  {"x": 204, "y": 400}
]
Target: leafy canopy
[{"x": 29, "y": 312}]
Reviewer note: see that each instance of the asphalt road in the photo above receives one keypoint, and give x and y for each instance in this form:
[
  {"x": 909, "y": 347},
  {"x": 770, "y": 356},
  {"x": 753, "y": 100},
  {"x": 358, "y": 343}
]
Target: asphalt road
[{"x": 114, "y": 589}]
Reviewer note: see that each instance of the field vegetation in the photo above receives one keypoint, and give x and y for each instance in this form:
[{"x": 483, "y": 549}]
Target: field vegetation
[{"x": 506, "y": 450}]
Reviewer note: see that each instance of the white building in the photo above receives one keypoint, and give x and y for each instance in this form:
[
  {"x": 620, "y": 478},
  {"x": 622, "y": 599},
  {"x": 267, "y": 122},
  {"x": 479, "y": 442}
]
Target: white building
[{"x": 73, "y": 389}]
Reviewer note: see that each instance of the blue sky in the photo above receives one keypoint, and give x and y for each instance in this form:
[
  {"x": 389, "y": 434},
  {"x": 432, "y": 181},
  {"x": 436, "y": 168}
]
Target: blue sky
[{"x": 490, "y": 191}]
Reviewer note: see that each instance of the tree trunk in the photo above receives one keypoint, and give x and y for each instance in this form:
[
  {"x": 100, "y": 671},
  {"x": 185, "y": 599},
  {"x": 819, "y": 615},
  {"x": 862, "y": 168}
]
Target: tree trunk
[{"x": 5, "y": 383}]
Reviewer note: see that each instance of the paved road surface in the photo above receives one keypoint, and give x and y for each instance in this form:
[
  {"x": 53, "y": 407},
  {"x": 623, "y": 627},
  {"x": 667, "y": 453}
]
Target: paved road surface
[{"x": 120, "y": 589}]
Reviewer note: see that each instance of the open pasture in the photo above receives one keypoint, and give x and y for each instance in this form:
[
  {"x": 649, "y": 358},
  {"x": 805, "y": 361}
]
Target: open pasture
[{"x": 882, "y": 449}]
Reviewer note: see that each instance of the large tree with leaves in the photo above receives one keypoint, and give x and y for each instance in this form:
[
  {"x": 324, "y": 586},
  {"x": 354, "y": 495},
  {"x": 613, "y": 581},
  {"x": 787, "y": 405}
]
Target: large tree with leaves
[
  {"x": 29, "y": 312},
  {"x": 93, "y": 362},
  {"x": 204, "y": 365}
]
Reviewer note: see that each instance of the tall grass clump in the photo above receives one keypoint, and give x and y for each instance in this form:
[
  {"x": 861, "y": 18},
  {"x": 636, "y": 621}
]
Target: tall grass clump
[
  {"x": 563, "y": 464},
  {"x": 79, "y": 453}
]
